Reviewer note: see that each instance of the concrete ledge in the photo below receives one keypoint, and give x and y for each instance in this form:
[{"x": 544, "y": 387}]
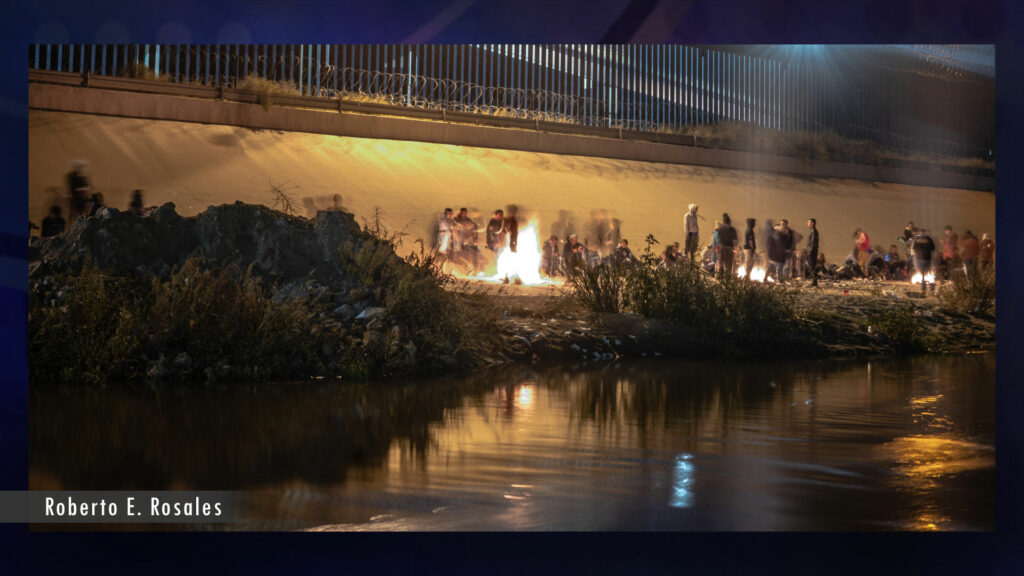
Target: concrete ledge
[{"x": 343, "y": 123}]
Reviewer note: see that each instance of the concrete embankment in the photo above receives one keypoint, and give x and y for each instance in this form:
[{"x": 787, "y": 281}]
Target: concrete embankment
[{"x": 199, "y": 165}]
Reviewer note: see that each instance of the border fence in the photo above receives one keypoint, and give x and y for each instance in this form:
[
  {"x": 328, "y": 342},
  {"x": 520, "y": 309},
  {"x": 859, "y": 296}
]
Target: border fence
[{"x": 653, "y": 88}]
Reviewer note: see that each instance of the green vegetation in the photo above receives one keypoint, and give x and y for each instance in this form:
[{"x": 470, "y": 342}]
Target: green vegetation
[
  {"x": 974, "y": 296},
  {"x": 904, "y": 332},
  {"x": 730, "y": 307},
  {"x": 443, "y": 326},
  {"x": 199, "y": 324}
]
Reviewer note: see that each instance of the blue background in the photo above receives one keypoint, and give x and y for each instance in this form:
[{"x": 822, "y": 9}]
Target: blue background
[{"x": 312, "y": 21}]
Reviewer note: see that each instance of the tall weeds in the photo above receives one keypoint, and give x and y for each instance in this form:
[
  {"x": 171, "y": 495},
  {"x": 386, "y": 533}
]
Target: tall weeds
[
  {"x": 974, "y": 296},
  {"x": 683, "y": 294},
  {"x": 199, "y": 324},
  {"x": 444, "y": 325}
]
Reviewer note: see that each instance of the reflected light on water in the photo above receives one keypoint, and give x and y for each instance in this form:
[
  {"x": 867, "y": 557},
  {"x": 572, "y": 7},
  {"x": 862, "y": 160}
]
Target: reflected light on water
[
  {"x": 526, "y": 396},
  {"x": 682, "y": 482}
]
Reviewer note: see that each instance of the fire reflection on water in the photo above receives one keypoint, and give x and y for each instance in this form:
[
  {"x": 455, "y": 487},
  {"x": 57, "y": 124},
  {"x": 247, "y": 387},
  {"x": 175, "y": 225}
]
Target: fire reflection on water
[{"x": 924, "y": 461}]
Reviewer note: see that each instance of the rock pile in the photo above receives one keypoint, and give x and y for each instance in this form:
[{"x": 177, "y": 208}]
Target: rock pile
[{"x": 293, "y": 259}]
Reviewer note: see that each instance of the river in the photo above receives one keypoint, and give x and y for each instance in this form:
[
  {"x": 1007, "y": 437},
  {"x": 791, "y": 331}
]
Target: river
[{"x": 895, "y": 444}]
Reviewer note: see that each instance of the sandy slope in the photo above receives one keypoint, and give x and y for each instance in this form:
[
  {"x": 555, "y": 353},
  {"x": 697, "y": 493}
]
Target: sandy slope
[{"x": 197, "y": 165}]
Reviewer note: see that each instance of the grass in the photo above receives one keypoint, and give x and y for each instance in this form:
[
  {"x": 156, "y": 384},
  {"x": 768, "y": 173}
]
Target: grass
[
  {"x": 974, "y": 296},
  {"x": 197, "y": 325},
  {"x": 728, "y": 308},
  {"x": 444, "y": 326},
  {"x": 904, "y": 332},
  {"x": 266, "y": 89}
]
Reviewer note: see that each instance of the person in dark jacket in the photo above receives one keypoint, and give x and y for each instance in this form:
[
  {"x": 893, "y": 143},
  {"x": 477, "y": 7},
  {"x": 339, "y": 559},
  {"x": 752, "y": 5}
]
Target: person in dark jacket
[
  {"x": 727, "y": 244},
  {"x": 749, "y": 246},
  {"x": 777, "y": 243},
  {"x": 78, "y": 188},
  {"x": 496, "y": 231},
  {"x": 623, "y": 255},
  {"x": 812, "y": 249},
  {"x": 923, "y": 247},
  {"x": 137, "y": 206},
  {"x": 53, "y": 224},
  {"x": 550, "y": 256},
  {"x": 573, "y": 254},
  {"x": 512, "y": 228}
]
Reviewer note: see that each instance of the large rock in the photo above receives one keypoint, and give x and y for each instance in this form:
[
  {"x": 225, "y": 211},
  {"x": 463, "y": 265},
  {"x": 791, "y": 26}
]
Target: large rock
[{"x": 281, "y": 249}]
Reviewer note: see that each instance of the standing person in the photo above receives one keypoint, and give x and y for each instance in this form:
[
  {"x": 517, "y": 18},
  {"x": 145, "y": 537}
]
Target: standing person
[
  {"x": 923, "y": 247},
  {"x": 137, "y": 206},
  {"x": 986, "y": 251},
  {"x": 692, "y": 232},
  {"x": 777, "y": 243},
  {"x": 863, "y": 249},
  {"x": 786, "y": 237},
  {"x": 465, "y": 230},
  {"x": 749, "y": 246},
  {"x": 53, "y": 224},
  {"x": 550, "y": 256},
  {"x": 445, "y": 229},
  {"x": 512, "y": 228},
  {"x": 812, "y": 249},
  {"x": 465, "y": 233},
  {"x": 950, "y": 250},
  {"x": 496, "y": 231},
  {"x": 794, "y": 256},
  {"x": 78, "y": 189},
  {"x": 764, "y": 239},
  {"x": 969, "y": 249},
  {"x": 727, "y": 241},
  {"x": 715, "y": 246}
]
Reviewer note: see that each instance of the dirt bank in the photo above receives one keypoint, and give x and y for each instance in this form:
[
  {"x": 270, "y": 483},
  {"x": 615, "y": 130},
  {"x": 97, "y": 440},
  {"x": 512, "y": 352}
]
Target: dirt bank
[
  {"x": 835, "y": 321},
  {"x": 155, "y": 307}
]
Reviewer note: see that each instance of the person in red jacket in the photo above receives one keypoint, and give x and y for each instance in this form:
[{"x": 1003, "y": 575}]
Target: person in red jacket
[
  {"x": 969, "y": 249},
  {"x": 950, "y": 250},
  {"x": 863, "y": 248}
]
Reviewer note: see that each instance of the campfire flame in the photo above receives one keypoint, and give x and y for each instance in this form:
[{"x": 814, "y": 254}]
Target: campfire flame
[
  {"x": 525, "y": 262},
  {"x": 928, "y": 278},
  {"x": 758, "y": 274}
]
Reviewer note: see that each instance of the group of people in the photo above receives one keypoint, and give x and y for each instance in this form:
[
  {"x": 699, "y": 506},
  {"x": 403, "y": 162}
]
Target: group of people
[
  {"x": 457, "y": 235},
  {"x": 775, "y": 247},
  {"x": 82, "y": 203},
  {"x": 782, "y": 251}
]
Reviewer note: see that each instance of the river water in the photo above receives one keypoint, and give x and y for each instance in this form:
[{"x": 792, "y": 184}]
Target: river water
[{"x": 652, "y": 445}]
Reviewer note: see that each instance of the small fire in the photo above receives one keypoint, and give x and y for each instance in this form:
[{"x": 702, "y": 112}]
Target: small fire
[
  {"x": 758, "y": 274},
  {"x": 525, "y": 262},
  {"x": 928, "y": 278}
]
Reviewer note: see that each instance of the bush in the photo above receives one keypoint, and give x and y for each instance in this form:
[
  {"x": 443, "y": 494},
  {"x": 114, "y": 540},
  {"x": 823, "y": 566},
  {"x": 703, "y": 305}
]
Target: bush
[
  {"x": 415, "y": 293},
  {"x": 266, "y": 89},
  {"x": 903, "y": 330},
  {"x": 599, "y": 288},
  {"x": 977, "y": 296},
  {"x": 96, "y": 327},
  {"x": 683, "y": 294}
]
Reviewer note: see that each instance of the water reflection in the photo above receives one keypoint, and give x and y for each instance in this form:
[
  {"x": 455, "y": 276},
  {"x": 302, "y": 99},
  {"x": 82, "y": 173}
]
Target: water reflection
[{"x": 650, "y": 446}]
